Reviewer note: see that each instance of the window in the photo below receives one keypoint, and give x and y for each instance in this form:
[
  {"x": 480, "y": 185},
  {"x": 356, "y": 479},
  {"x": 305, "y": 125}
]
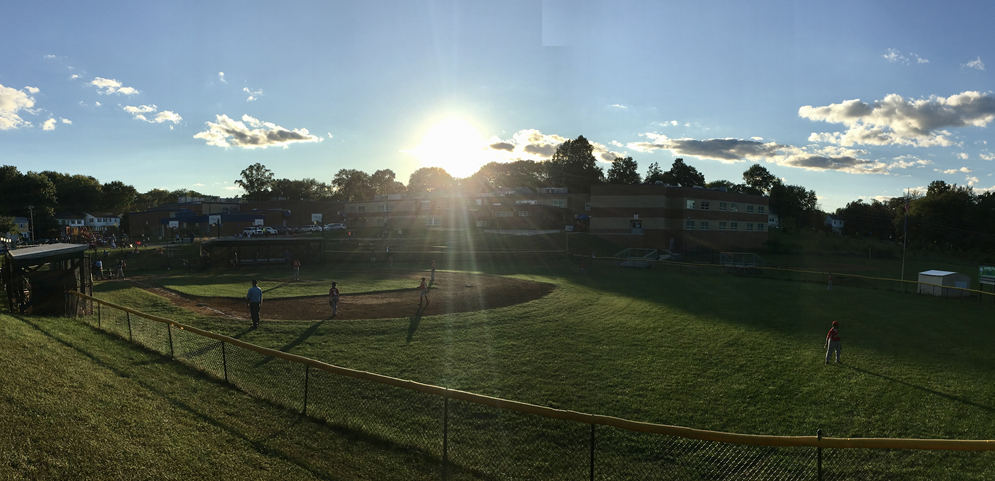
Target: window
[
  {"x": 749, "y": 209},
  {"x": 382, "y": 208},
  {"x": 760, "y": 209},
  {"x": 689, "y": 204},
  {"x": 734, "y": 226},
  {"x": 722, "y": 206},
  {"x": 760, "y": 227},
  {"x": 480, "y": 202},
  {"x": 733, "y": 207},
  {"x": 587, "y": 206},
  {"x": 525, "y": 202},
  {"x": 360, "y": 208},
  {"x": 749, "y": 226},
  {"x": 689, "y": 224},
  {"x": 426, "y": 205},
  {"x": 704, "y": 205},
  {"x": 433, "y": 221},
  {"x": 722, "y": 226},
  {"x": 704, "y": 225},
  {"x": 523, "y": 213},
  {"x": 558, "y": 203},
  {"x": 482, "y": 224},
  {"x": 502, "y": 213}
]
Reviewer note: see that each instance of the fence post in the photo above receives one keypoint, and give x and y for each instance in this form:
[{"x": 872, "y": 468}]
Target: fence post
[
  {"x": 818, "y": 434},
  {"x": 129, "y": 326},
  {"x": 592, "y": 452},
  {"x": 445, "y": 438},
  {"x": 169, "y": 330},
  {"x": 307, "y": 374},
  {"x": 98, "y": 315},
  {"x": 224, "y": 360}
]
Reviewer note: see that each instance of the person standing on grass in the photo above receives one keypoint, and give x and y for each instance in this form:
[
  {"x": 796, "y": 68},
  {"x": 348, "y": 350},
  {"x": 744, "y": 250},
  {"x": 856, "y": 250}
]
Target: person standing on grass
[
  {"x": 120, "y": 269},
  {"x": 433, "y": 271},
  {"x": 297, "y": 269},
  {"x": 830, "y": 286},
  {"x": 99, "y": 267},
  {"x": 424, "y": 292},
  {"x": 333, "y": 299},
  {"x": 254, "y": 299},
  {"x": 833, "y": 342}
]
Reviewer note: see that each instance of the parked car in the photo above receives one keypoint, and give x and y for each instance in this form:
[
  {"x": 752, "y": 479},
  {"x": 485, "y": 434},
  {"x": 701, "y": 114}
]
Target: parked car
[
  {"x": 267, "y": 230},
  {"x": 335, "y": 226},
  {"x": 250, "y": 231},
  {"x": 311, "y": 228}
]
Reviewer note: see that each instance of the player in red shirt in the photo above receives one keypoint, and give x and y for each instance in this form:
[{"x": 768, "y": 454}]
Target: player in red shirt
[
  {"x": 297, "y": 270},
  {"x": 333, "y": 299},
  {"x": 833, "y": 342},
  {"x": 424, "y": 292}
]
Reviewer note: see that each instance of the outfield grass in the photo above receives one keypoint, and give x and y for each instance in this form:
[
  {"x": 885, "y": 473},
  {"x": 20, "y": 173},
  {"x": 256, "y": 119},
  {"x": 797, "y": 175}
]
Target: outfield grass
[{"x": 682, "y": 347}]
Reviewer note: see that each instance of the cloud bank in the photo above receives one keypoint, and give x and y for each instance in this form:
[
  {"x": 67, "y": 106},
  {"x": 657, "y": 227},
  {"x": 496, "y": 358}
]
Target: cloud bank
[
  {"x": 897, "y": 121},
  {"x": 13, "y": 101},
  {"x": 227, "y": 132}
]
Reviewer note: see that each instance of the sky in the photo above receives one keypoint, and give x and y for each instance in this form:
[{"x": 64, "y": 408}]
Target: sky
[{"x": 852, "y": 99}]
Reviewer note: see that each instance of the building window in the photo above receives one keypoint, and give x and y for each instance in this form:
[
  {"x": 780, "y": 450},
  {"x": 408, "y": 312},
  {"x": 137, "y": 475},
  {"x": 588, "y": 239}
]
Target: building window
[
  {"x": 760, "y": 209},
  {"x": 689, "y": 224},
  {"x": 502, "y": 213},
  {"x": 749, "y": 226},
  {"x": 523, "y": 213},
  {"x": 704, "y": 225},
  {"x": 480, "y": 202},
  {"x": 558, "y": 203},
  {"x": 722, "y": 206},
  {"x": 689, "y": 204},
  {"x": 722, "y": 226},
  {"x": 760, "y": 227},
  {"x": 382, "y": 208},
  {"x": 749, "y": 209},
  {"x": 426, "y": 205},
  {"x": 734, "y": 207},
  {"x": 587, "y": 206},
  {"x": 360, "y": 208},
  {"x": 704, "y": 205},
  {"x": 734, "y": 226}
]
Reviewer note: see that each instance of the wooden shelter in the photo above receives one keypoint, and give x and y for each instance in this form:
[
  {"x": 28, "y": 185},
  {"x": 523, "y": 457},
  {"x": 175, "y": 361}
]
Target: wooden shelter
[
  {"x": 238, "y": 252},
  {"x": 37, "y": 279}
]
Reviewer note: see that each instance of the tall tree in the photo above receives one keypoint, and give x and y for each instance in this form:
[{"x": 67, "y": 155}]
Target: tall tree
[
  {"x": 76, "y": 194},
  {"x": 306, "y": 189},
  {"x": 623, "y": 171},
  {"x": 384, "y": 182},
  {"x": 429, "y": 179},
  {"x": 520, "y": 173},
  {"x": 796, "y": 207},
  {"x": 152, "y": 199},
  {"x": 654, "y": 174},
  {"x": 685, "y": 175},
  {"x": 256, "y": 181},
  {"x": 573, "y": 166},
  {"x": 116, "y": 196},
  {"x": 352, "y": 185},
  {"x": 758, "y": 177}
]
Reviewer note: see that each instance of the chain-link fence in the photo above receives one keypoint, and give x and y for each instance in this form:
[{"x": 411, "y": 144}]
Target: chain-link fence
[{"x": 480, "y": 437}]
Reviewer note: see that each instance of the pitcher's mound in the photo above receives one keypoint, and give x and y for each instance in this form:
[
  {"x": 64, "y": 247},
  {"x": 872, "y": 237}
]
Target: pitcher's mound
[{"x": 450, "y": 293}]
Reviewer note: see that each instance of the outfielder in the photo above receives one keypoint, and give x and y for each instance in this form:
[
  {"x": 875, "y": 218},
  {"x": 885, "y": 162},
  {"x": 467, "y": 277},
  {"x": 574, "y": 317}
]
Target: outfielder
[
  {"x": 424, "y": 292},
  {"x": 833, "y": 342},
  {"x": 333, "y": 299}
]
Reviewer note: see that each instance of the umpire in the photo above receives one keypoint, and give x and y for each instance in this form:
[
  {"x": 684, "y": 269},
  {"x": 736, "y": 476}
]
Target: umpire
[{"x": 255, "y": 299}]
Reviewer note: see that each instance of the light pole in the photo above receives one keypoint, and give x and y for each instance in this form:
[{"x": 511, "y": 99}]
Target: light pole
[{"x": 31, "y": 229}]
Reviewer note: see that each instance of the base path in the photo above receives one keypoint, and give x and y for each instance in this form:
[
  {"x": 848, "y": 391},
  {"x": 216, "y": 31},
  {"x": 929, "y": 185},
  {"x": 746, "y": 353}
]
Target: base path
[{"x": 450, "y": 293}]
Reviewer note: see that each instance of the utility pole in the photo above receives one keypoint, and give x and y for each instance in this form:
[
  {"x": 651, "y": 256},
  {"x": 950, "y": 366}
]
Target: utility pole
[
  {"x": 31, "y": 229},
  {"x": 905, "y": 237}
]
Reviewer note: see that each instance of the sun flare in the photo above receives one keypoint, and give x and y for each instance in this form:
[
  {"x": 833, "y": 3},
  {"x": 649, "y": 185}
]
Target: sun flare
[{"x": 455, "y": 145}]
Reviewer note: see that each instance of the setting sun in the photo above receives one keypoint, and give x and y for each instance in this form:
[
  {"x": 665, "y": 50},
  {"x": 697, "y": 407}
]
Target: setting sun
[{"x": 454, "y": 145}]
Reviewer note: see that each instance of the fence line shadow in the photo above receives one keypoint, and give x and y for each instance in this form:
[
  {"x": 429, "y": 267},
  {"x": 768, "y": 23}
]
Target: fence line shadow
[{"x": 921, "y": 388}]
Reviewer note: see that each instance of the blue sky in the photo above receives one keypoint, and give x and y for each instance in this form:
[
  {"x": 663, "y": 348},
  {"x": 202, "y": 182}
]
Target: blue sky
[{"x": 851, "y": 99}]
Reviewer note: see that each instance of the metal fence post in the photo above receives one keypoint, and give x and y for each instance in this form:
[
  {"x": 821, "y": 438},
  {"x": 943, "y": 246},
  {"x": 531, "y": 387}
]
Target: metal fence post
[
  {"x": 445, "y": 438},
  {"x": 818, "y": 434},
  {"x": 224, "y": 360},
  {"x": 129, "y": 326},
  {"x": 169, "y": 330},
  {"x": 307, "y": 374},
  {"x": 98, "y": 315},
  {"x": 592, "y": 452}
]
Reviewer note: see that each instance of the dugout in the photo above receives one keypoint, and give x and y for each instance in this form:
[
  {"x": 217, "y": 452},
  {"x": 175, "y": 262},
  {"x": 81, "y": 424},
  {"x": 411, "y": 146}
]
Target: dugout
[
  {"x": 252, "y": 251},
  {"x": 38, "y": 279},
  {"x": 942, "y": 281}
]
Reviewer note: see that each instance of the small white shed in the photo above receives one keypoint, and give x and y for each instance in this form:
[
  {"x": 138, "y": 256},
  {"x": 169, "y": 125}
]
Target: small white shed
[{"x": 942, "y": 280}]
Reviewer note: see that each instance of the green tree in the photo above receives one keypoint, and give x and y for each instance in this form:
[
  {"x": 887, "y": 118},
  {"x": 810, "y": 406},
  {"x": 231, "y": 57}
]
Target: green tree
[
  {"x": 352, "y": 185},
  {"x": 304, "y": 189},
  {"x": 385, "y": 182},
  {"x": 116, "y": 196},
  {"x": 654, "y": 174},
  {"x": 520, "y": 173},
  {"x": 624, "y": 171},
  {"x": 868, "y": 220},
  {"x": 796, "y": 207},
  {"x": 429, "y": 179},
  {"x": 684, "y": 175},
  {"x": 256, "y": 181},
  {"x": 151, "y": 199},
  {"x": 76, "y": 194},
  {"x": 573, "y": 166},
  {"x": 8, "y": 228},
  {"x": 759, "y": 178}
]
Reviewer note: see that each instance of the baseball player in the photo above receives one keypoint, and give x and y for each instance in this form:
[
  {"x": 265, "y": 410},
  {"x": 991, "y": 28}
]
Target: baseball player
[
  {"x": 833, "y": 342},
  {"x": 297, "y": 269},
  {"x": 333, "y": 299},
  {"x": 424, "y": 292}
]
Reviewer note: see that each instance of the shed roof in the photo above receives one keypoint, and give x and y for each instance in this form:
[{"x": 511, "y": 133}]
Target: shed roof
[
  {"x": 936, "y": 273},
  {"x": 46, "y": 250}
]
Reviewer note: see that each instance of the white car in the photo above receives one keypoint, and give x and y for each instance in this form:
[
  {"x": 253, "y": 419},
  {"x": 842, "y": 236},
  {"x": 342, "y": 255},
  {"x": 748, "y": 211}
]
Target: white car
[
  {"x": 335, "y": 226},
  {"x": 267, "y": 230},
  {"x": 311, "y": 228}
]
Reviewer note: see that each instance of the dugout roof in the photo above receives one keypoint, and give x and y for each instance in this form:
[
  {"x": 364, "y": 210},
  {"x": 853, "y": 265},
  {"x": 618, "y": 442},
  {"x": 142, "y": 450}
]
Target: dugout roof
[{"x": 46, "y": 253}]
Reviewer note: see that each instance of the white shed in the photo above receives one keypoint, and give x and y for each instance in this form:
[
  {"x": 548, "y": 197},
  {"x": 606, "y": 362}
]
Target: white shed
[{"x": 945, "y": 279}]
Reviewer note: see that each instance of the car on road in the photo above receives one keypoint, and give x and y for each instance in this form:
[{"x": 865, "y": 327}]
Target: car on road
[
  {"x": 311, "y": 228},
  {"x": 335, "y": 226}
]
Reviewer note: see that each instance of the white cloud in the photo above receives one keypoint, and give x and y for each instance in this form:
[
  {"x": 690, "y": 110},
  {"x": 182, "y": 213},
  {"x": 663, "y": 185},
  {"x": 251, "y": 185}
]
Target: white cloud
[
  {"x": 739, "y": 150},
  {"x": 48, "y": 125},
  {"x": 97, "y": 104},
  {"x": 987, "y": 156},
  {"x": 329, "y": 134},
  {"x": 920, "y": 59},
  {"x": 49, "y": 56},
  {"x": 895, "y": 56},
  {"x": 906, "y": 161},
  {"x": 73, "y": 77},
  {"x": 618, "y": 106},
  {"x": 963, "y": 156},
  {"x": 617, "y": 143},
  {"x": 962, "y": 170},
  {"x": 221, "y": 77},
  {"x": 897, "y": 121},
  {"x": 976, "y": 64},
  {"x": 253, "y": 94},
  {"x": 231, "y": 133},
  {"x": 13, "y": 101},
  {"x": 66, "y": 121},
  {"x": 32, "y": 90},
  {"x": 971, "y": 181},
  {"x": 532, "y": 144},
  {"x": 110, "y": 86},
  {"x": 758, "y": 139},
  {"x": 139, "y": 112},
  {"x": 167, "y": 116}
]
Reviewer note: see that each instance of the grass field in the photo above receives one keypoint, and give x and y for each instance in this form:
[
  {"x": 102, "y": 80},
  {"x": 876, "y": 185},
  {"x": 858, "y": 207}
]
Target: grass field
[{"x": 682, "y": 347}]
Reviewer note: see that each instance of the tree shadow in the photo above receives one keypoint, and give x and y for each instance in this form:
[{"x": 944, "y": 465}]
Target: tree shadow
[
  {"x": 292, "y": 344},
  {"x": 414, "y": 320},
  {"x": 920, "y": 388}
]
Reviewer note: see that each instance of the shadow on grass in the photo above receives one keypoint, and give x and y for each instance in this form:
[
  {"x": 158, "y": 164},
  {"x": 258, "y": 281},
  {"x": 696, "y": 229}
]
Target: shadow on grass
[
  {"x": 920, "y": 388},
  {"x": 414, "y": 320},
  {"x": 292, "y": 344}
]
